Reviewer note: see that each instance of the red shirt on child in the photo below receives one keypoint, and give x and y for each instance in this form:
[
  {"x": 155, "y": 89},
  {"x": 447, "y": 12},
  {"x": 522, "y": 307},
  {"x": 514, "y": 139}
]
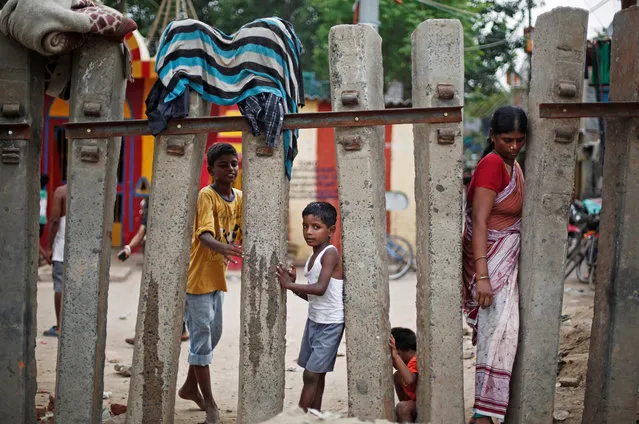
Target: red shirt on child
[{"x": 411, "y": 389}]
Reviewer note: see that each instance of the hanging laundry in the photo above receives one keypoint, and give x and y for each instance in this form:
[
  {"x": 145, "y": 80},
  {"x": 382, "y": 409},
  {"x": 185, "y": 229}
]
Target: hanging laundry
[
  {"x": 264, "y": 111},
  {"x": 53, "y": 27},
  {"x": 263, "y": 57}
]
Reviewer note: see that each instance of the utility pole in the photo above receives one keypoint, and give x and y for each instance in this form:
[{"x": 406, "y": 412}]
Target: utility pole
[
  {"x": 369, "y": 13},
  {"x": 529, "y": 43}
]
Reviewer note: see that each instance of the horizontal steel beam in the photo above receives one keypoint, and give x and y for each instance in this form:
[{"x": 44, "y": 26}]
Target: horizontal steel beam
[
  {"x": 585, "y": 110},
  {"x": 15, "y": 132},
  {"x": 358, "y": 118}
]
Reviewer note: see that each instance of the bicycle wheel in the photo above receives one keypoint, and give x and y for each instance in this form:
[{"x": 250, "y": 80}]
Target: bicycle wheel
[
  {"x": 399, "y": 256},
  {"x": 586, "y": 267}
]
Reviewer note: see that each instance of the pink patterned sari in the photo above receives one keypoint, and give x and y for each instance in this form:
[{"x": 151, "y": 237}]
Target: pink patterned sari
[{"x": 496, "y": 328}]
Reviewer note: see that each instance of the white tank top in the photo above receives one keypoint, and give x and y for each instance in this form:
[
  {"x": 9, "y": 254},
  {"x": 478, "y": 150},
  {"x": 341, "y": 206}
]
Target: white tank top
[
  {"x": 58, "y": 242},
  {"x": 329, "y": 308}
]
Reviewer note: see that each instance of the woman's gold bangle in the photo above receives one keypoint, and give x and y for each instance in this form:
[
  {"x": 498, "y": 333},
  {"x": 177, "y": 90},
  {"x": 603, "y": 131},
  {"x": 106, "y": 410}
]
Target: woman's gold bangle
[
  {"x": 481, "y": 257},
  {"x": 483, "y": 277}
]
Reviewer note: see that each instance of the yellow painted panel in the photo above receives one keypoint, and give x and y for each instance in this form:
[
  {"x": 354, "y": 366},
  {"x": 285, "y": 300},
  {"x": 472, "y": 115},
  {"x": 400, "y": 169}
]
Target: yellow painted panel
[
  {"x": 60, "y": 109},
  {"x": 146, "y": 168},
  {"x": 232, "y": 112},
  {"x": 116, "y": 235}
]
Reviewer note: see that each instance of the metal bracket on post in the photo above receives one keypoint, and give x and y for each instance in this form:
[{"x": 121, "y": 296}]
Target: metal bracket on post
[
  {"x": 445, "y": 91},
  {"x": 11, "y": 110},
  {"x": 350, "y": 97},
  {"x": 567, "y": 89},
  {"x": 564, "y": 135},
  {"x": 90, "y": 154},
  {"x": 446, "y": 135},
  {"x": 92, "y": 109},
  {"x": 351, "y": 142},
  {"x": 175, "y": 147}
]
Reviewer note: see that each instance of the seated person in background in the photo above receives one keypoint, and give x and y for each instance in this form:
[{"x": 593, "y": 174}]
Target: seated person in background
[{"x": 403, "y": 345}]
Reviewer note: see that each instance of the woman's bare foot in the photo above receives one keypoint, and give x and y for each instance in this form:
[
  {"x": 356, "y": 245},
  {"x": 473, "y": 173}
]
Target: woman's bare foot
[
  {"x": 195, "y": 396},
  {"x": 212, "y": 416}
]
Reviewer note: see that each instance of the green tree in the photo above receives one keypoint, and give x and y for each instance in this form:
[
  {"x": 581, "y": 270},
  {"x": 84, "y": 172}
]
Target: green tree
[{"x": 491, "y": 30}]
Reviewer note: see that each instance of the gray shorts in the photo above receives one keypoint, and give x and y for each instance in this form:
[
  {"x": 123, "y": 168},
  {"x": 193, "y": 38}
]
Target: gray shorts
[
  {"x": 319, "y": 346},
  {"x": 203, "y": 317},
  {"x": 57, "y": 272}
]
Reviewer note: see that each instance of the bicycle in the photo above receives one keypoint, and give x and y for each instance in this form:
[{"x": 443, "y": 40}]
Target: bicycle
[
  {"x": 399, "y": 256},
  {"x": 583, "y": 258}
]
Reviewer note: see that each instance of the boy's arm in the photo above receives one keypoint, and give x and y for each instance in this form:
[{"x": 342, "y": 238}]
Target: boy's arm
[
  {"x": 224, "y": 249},
  {"x": 329, "y": 261},
  {"x": 408, "y": 376},
  {"x": 54, "y": 221}
]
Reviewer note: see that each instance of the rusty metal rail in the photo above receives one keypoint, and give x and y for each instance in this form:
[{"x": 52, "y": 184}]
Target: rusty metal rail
[
  {"x": 19, "y": 131},
  {"x": 358, "y": 118},
  {"x": 584, "y": 110}
]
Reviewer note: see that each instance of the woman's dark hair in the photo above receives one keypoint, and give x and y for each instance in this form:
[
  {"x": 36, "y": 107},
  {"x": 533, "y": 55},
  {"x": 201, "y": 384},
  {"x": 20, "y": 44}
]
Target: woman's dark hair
[
  {"x": 506, "y": 119},
  {"x": 323, "y": 210},
  {"x": 405, "y": 338}
]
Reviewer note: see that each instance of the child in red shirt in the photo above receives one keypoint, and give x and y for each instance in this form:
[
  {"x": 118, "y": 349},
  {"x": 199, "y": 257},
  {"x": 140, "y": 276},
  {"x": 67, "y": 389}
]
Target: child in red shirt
[{"x": 403, "y": 345}]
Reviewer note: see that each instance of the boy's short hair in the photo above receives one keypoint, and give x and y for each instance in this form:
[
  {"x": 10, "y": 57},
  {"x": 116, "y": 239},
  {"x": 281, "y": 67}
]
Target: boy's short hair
[
  {"x": 405, "y": 338},
  {"x": 217, "y": 150},
  {"x": 323, "y": 210}
]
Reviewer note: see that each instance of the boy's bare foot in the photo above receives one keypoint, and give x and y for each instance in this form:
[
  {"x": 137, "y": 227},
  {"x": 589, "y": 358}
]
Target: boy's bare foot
[
  {"x": 212, "y": 416},
  {"x": 195, "y": 396}
]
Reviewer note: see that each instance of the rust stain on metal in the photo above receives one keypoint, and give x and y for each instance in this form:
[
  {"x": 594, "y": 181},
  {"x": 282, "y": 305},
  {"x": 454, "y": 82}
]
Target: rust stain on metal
[
  {"x": 264, "y": 151},
  {"x": 365, "y": 118},
  {"x": 15, "y": 131}
]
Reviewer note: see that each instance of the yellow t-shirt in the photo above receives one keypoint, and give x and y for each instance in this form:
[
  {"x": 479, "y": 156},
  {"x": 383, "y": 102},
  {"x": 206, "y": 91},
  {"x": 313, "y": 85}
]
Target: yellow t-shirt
[{"x": 223, "y": 219}]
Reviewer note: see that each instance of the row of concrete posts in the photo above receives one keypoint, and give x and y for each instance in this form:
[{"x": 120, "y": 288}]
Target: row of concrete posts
[{"x": 356, "y": 83}]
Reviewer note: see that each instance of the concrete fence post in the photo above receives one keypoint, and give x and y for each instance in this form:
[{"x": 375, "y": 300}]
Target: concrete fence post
[
  {"x": 263, "y": 309},
  {"x": 21, "y": 102},
  {"x": 438, "y": 81},
  {"x": 357, "y": 83},
  {"x": 558, "y": 59},
  {"x": 97, "y": 94},
  {"x": 613, "y": 368},
  {"x": 177, "y": 164}
]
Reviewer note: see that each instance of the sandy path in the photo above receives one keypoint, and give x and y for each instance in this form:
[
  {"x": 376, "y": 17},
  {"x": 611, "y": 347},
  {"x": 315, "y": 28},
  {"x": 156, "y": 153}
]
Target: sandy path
[{"x": 123, "y": 300}]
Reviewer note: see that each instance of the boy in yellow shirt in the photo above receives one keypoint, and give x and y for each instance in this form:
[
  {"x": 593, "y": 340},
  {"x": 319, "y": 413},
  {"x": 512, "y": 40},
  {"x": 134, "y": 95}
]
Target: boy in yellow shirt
[{"x": 216, "y": 234}]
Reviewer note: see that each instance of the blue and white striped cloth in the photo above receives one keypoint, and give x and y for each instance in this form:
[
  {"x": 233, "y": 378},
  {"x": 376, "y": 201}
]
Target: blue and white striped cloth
[{"x": 262, "y": 57}]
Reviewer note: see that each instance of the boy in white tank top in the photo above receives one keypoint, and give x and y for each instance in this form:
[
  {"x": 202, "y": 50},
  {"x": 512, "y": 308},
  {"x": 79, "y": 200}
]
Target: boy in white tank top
[{"x": 324, "y": 293}]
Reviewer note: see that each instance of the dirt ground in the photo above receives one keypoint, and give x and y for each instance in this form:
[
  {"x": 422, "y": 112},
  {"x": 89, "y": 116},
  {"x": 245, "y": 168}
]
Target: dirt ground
[{"x": 123, "y": 301}]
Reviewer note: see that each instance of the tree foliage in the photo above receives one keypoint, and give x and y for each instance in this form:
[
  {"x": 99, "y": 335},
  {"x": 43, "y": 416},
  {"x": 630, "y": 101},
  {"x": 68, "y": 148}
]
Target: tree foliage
[{"x": 492, "y": 23}]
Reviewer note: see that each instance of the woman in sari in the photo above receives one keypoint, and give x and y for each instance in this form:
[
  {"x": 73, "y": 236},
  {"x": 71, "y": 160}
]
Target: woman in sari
[{"x": 491, "y": 247}]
